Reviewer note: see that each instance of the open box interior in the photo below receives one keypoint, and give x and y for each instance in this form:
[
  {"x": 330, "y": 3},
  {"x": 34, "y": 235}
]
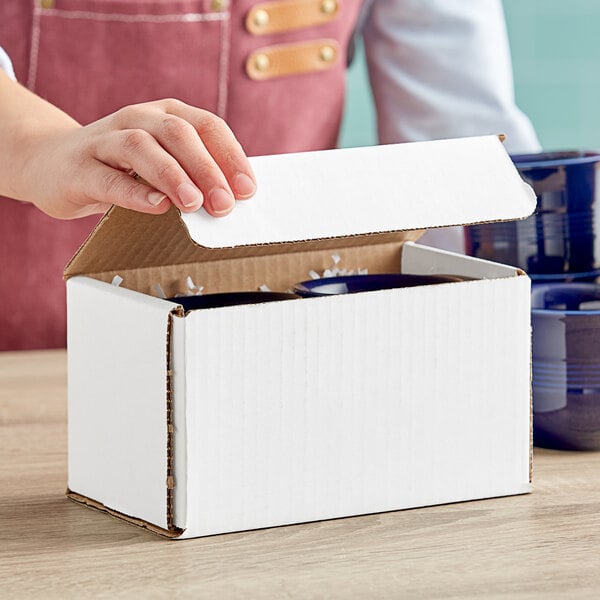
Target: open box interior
[
  {"x": 277, "y": 266},
  {"x": 144, "y": 260},
  {"x": 309, "y": 207},
  {"x": 279, "y": 272}
]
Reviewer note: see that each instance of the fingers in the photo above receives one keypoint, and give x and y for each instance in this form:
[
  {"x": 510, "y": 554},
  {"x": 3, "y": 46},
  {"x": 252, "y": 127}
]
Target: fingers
[
  {"x": 201, "y": 144},
  {"x": 137, "y": 149},
  {"x": 222, "y": 146},
  {"x": 105, "y": 184},
  {"x": 180, "y": 141}
]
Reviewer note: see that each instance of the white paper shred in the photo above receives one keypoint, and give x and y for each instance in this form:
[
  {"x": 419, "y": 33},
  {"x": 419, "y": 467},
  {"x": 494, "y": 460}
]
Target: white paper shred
[
  {"x": 117, "y": 280},
  {"x": 335, "y": 271},
  {"x": 264, "y": 288},
  {"x": 193, "y": 289},
  {"x": 159, "y": 291}
]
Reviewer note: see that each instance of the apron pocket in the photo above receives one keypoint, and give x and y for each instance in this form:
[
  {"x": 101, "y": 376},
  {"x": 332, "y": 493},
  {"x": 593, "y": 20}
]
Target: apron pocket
[{"x": 91, "y": 57}]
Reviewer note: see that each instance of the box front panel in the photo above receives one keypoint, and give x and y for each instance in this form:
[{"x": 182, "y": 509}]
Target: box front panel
[{"x": 312, "y": 409}]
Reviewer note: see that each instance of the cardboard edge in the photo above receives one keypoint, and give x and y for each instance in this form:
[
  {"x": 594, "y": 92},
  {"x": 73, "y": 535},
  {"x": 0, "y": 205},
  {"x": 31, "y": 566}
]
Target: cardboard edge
[
  {"x": 170, "y": 418},
  {"x": 178, "y": 533},
  {"x": 98, "y": 506},
  {"x": 530, "y": 405},
  {"x": 67, "y": 272},
  {"x": 369, "y": 238},
  {"x": 526, "y": 489}
]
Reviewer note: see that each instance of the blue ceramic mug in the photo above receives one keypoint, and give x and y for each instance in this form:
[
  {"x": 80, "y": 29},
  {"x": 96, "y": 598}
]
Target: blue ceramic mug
[
  {"x": 230, "y": 299},
  {"x": 566, "y": 365},
  {"x": 560, "y": 241},
  {"x": 352, "y": 284}
]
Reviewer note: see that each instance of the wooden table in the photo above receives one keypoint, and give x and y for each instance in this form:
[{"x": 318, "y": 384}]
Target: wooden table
[{"x": 542, "y": 545}]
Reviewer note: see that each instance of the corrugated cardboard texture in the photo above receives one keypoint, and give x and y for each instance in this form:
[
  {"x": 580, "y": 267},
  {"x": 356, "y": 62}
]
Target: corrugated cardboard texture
[
  {"x": 173, "y": 533},
  {"x": 126, "y": 240},
  {"x": 356, "y": 404},
  {"x": 179, "y": 434},
  {"x": 353, "y": 194},
  {"x": 279, "y": 271}
]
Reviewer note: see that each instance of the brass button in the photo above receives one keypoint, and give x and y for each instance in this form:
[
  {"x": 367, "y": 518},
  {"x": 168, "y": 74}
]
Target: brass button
[
  {"x": 326, "y": 53},
  {"x": 262, "y": 62},
  {"x": 329, "y": 6},
  {"x": 261, "y": 18},
  {"x": 47, "y": 3},
  {"x": 219, "y": 4}
]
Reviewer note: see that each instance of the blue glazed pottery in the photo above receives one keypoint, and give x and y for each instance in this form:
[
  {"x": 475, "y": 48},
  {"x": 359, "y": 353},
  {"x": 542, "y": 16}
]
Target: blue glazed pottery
[
  {"x": 566, "y": 365},
  {"x": 560, "y": 242},
  {"x": 351, "y": 284},
  {"x": 229, "y": 299}
]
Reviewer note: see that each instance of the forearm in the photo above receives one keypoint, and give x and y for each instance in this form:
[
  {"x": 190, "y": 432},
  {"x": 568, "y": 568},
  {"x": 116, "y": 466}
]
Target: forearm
[
  {"x": 27, "y": 125},
  {"x": 184, "y": 156}
]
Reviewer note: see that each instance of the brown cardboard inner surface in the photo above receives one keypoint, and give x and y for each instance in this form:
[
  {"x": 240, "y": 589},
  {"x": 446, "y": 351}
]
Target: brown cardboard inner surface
[
  {"x": 94, "y": 504},
  {"x": 279, "y": 271},
  {"x": 126, "y": 240}
]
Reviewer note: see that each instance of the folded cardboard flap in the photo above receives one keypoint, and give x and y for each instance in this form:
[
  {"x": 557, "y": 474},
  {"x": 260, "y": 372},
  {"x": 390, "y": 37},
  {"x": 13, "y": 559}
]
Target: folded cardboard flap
[
  {"x": 354, "y": 191},
  {"x": 147, "y": 249},
  {"x": 321, "y": 200}
]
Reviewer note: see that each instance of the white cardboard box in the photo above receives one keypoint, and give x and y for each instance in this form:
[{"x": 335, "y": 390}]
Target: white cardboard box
[{"x": 254, "y": 416}]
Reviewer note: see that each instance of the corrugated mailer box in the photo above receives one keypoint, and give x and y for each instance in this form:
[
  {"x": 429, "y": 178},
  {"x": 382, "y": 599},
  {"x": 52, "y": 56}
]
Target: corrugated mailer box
[{"x": 244, "y": 417}]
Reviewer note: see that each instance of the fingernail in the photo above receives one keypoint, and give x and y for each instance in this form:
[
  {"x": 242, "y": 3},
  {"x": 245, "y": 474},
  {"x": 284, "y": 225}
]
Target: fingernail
[
  {"x": 190, "y": 195},
  {"x": 243, "y": 185},
  {"x": 155, "y": 198},
  {"x": 221, "y": 201}
]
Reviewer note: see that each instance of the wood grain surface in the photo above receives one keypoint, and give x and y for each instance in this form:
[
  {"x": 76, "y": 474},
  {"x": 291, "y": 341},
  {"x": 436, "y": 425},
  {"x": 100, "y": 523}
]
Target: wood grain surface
[{"x": 542, "y": 545}]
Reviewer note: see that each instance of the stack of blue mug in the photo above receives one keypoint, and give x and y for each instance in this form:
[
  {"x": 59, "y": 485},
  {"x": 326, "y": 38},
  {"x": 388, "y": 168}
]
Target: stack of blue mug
[{"x": 559, "y": 247}]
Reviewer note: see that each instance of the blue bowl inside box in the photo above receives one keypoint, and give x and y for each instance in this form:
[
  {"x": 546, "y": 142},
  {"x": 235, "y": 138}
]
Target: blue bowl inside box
[
  {"x": 230, "y": 299},
  {"x": 566, "y": 365},
  {"x": 352, "y": 284}
]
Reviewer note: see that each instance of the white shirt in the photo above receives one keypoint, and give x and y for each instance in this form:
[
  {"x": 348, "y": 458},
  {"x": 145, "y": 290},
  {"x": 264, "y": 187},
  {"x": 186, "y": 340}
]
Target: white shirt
[
  {"x": 442, "y": 69},
  {"x": 5, "y": 64}
]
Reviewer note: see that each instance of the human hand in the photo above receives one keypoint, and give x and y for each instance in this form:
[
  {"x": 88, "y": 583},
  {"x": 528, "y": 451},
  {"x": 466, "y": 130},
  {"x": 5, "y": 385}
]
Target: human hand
[{"x": 185, "y": 156}]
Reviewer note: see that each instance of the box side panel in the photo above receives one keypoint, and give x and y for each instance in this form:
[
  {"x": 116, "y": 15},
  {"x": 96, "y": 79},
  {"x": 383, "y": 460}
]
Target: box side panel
[
  {"x": 320, "y": 408},
  {"x": 420, "y": 259},
  {"x": 117, "y": 398},
  {"x": 179, "y": 422}
]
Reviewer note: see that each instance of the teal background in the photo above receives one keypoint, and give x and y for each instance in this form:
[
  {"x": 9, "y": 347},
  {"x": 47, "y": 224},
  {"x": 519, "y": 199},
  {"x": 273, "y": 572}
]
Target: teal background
[{"x": 555, "y": 47}]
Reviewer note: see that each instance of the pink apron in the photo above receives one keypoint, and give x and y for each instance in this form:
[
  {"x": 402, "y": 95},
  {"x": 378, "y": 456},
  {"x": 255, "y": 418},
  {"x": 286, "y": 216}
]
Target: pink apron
[{"x": 274, "y": 70}]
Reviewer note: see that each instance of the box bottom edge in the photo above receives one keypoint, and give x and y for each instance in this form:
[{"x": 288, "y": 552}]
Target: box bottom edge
[{"x": 99, "y": 506}]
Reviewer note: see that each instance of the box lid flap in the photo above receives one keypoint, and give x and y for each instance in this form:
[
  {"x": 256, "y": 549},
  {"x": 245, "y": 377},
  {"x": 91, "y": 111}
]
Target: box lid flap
[{"x": 312, "y": 197}]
